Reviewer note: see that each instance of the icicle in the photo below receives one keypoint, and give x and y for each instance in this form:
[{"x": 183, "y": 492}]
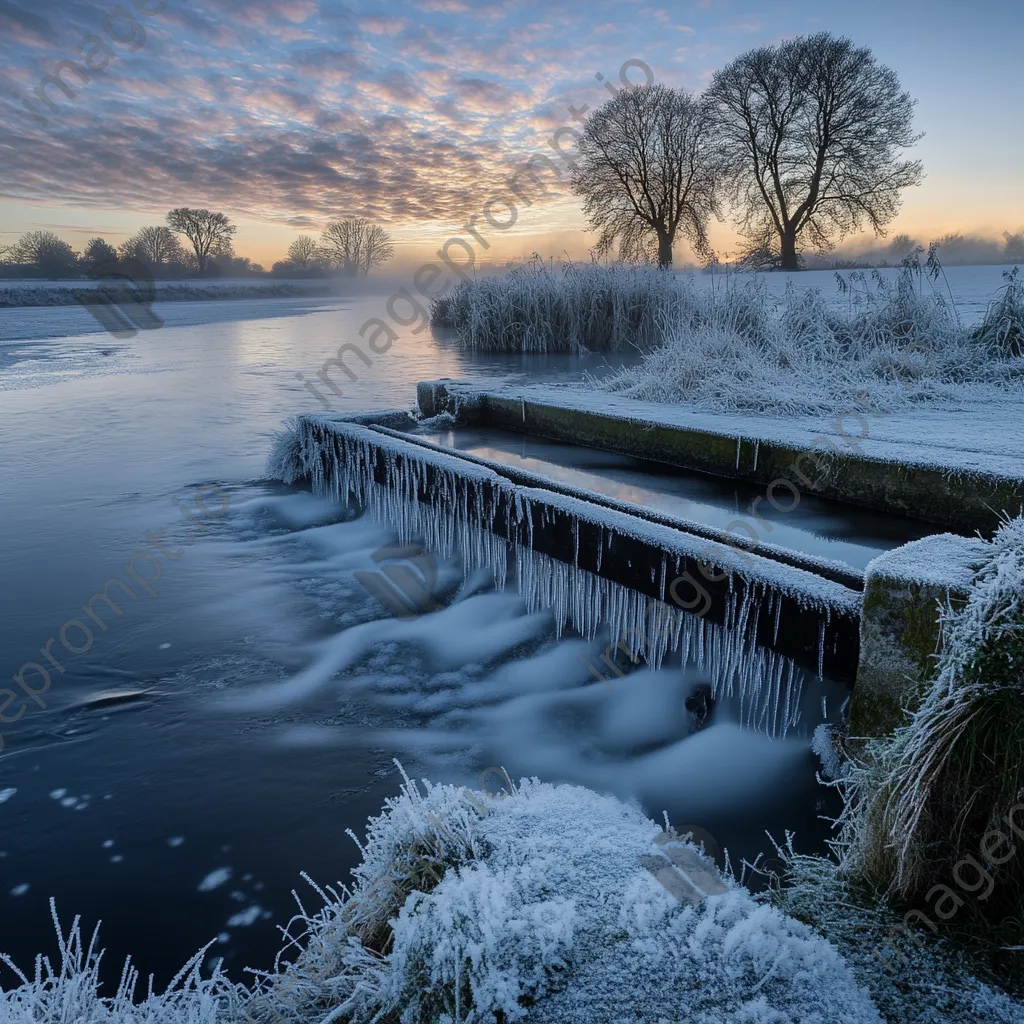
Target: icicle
[{"x": 821, "y": 649}]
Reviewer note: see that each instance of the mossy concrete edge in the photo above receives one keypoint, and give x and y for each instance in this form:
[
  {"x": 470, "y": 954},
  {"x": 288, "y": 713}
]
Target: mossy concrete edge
[{"x": 900, "y": 626}]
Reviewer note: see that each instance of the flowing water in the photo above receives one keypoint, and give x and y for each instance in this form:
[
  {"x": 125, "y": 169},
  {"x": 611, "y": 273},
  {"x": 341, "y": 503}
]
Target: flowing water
[{"x": 170, "y": 777}]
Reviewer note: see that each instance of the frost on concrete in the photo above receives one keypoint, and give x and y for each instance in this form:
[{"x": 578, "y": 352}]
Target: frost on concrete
[{"x": 537, "y": 906}]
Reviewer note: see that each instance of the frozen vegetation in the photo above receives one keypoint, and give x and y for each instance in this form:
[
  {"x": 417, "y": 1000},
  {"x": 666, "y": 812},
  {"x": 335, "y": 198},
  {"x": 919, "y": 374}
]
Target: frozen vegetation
[
  {"x": 888, "y": 341},
  {"x": 583, "y": 308},
  {"x": 534, "y": 904},
  {"x": 530, "y": 906},
  {"x": 893, "y": 344},
  {"x": 920, "y": 803}
]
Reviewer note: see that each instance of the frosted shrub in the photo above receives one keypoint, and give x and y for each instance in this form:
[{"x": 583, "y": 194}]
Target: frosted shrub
[
  {"x": 576, "y": 309},
  {"x": 537, "y": 908},
  {"x": 1002, "y": 330},
  {"x": 893, "y": 344}
]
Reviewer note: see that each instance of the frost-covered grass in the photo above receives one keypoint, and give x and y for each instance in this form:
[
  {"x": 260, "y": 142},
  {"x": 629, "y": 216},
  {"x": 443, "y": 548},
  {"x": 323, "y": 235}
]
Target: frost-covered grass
[
  {"x": 470, "y": 908},
  {"x": 911, "y": 979},
  {"x": 580, "y": 307},
  {"x": 920, "y": 802},
  {"x": 540, "y": 910},
  {"x": 886, "y": 342},
  {"x": 888, "y": 345},
  {"x": 68, "y": 991}
]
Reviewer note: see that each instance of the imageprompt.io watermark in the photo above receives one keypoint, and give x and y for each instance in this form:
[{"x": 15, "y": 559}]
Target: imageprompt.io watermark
[{"x": 121, "y": 303}]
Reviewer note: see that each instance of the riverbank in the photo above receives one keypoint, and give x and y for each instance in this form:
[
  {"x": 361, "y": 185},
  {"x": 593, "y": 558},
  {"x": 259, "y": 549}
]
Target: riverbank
[{"x": 67, "y": 294}]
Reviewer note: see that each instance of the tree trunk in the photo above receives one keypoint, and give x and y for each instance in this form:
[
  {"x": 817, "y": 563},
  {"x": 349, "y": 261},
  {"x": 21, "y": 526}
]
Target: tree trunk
[
  {"x": 788, "y": 251},
  {"x": 664, "y": 252}
]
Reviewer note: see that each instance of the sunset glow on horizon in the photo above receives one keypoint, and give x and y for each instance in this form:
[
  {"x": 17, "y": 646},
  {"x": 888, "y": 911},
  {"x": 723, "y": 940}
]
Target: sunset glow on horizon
[{"x": 289, "y": 115}]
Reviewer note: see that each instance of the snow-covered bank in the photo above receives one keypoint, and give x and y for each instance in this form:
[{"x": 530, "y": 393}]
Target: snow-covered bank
[
  {"x": 548, "y": 904},
  {"x": 895, "y": 345},
  {"x": 35, "y": 295},
  {"x": 888, "y": 341},
  {"x": 535, "y": 905}
]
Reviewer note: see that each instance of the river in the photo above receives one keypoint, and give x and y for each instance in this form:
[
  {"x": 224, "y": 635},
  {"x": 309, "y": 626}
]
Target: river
[{"x": 142, "y": 786}]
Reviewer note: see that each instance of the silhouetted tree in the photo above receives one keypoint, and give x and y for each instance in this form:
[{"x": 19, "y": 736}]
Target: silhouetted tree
[
  {"x": 645, "y": 171},
  {"x": 99, "y": 251},
  {"x": 810, "y": 132},
  {"x": 51, "y": 256},
  {"x": 154, "y": 246},
  {"x": 235, "y": 266},
  {"x": 304, "y": 252},
  {"x": 210, "y": 233},
  {"x": 357, "y": 246}
]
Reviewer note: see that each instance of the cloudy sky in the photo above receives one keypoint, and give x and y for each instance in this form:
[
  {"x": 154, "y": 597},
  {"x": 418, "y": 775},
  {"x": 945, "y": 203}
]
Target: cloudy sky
[{"x": 287, "y": 114}]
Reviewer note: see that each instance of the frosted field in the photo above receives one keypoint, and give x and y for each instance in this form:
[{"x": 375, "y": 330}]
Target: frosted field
[{"x": 972, "y": 287}]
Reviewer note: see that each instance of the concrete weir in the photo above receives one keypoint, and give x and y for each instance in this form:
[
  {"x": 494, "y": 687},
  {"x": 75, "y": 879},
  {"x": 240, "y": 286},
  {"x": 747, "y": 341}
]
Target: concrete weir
[
  {"x": 904, "y": 590},
  {"x": 878, "y": 629},
  {"x": 900, "y": 632},
  {"x": 740, "y": 601}
]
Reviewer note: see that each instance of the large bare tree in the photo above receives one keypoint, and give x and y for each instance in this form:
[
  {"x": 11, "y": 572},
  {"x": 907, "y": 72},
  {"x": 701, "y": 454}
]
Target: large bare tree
[
  {"x": 646, "y": 173},
  {"x": 357, "y": 246},
  {"x": 210, "y": 233},
  {"x": 51, "y": 255},
  {"x": 304, "y": 252},
  {"x": 811, "y": 132},
  {"x": 153, "y": 245}
]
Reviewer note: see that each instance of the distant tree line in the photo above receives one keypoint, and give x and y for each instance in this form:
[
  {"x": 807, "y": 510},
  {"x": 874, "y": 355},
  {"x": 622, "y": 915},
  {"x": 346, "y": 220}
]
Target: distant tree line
[
  {"x": 198, "y": 243},
  {"x": 954, "y": 249}
]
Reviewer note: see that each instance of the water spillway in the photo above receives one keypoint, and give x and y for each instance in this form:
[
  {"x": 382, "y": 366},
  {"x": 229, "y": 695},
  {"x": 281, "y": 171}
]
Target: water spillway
[{"x": 749, "y": 619}]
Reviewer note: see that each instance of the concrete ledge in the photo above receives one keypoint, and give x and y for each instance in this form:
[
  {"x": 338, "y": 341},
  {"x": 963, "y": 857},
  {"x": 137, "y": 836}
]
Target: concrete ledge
[
  {"x": 899, "y": 627},
  {"x": 965, "y": 499}
]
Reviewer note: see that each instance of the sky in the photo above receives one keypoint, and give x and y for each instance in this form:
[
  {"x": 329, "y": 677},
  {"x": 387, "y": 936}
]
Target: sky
[{"x": 288, "y": 114}]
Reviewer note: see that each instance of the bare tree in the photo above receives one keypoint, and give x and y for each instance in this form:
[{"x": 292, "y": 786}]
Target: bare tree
[
  {"x": 304, "y": 252},
  {"x": 811, "y": 131},
  {"x": 356, "y": 245},
  {"x": 210, "y": 233},
  {"x": 152, "y": 245},
  {"x": 51, "y": 255},
  {"x": 645, "y": 172},
  {"x": 99, "y": 251}
]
